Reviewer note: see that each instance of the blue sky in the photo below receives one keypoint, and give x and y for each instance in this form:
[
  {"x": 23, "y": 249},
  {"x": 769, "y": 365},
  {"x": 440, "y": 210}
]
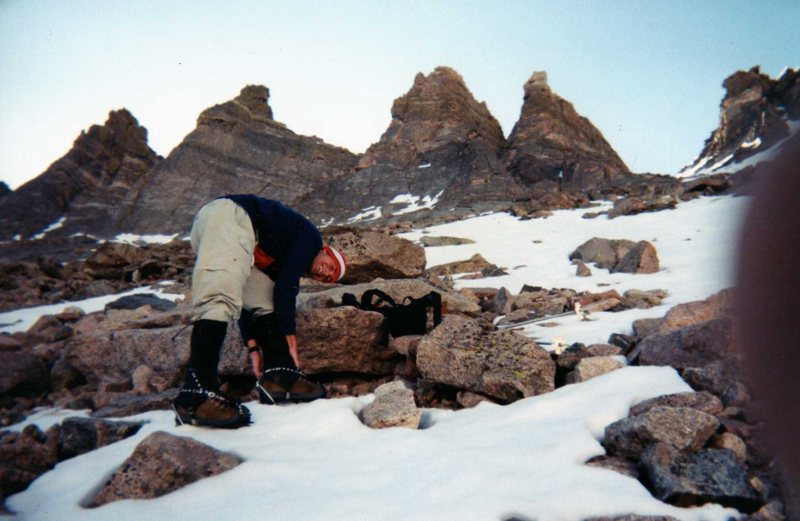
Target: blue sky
[{"x": 647, "y": 74}]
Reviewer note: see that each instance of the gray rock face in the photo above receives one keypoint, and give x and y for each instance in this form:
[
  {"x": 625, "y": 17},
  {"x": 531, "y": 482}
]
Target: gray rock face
[
  {"x": 137, "y": 301},
  {"x": 81, "y": 435},
  {"x": 642, "y": 258},
  {"x": 24, "y": 456},
  {"x": 692, "y": 346},
  {"x": 160, "y": 464},
  {"x": 702, "y": 401},
  {"x": 604, "y": 253},
  {"x": 708, "y": 476},
  {"x": 431, "y": 242},
  {"x": 592, "y": 367},
  {"x": 474, "y": 264},
  {"x": 637, "y": 205},
  {"x": 692, "y": 313},
  {"x": 237, "y": 147},
  {"x": 393, "y": 406},
  {"x": 22, "y": 373},
  {"x": 371, "y": 255},
  {"x": 679, "y": 427},
  {"x": 618, "y": 256},
  {"x": 552, "y": 142},
  {"x": 438, "y": 110},
  {"x": 721, "y": 379},
  {"x": 441, "y": 144},
  {"x": 110, "y": 347},
  {"x": 500, "y": 364},
  {"x": 443, "y": 155},
  {"x": 89, "y": 185},
  {"x": 343, "y": 339},
  {"x": 755, "y": 107}
]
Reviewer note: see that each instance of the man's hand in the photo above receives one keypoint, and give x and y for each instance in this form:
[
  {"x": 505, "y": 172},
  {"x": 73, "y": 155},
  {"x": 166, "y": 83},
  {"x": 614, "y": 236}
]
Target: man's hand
[
  {"x": 255, "y": 359},
  {"x": 292, "y": 341}
]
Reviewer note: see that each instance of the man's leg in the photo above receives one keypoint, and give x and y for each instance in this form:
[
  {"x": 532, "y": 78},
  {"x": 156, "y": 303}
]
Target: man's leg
[
  {"x": 223, "y": 240},
  {"x": 280, "y": 380}
]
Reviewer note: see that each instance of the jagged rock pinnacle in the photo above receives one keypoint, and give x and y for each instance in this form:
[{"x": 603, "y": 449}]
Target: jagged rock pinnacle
[
  {"x": 538, "y": 80},
  {"x": 551, "y": 141},
  {"x": 256, "y": 99},
  {"x": 438, "y": 110}
]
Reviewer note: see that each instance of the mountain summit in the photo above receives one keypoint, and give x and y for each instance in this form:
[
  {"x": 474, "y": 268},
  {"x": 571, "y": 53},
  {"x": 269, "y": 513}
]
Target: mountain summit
[
  {"x": 757, "y": 113},
  {"x": 237, "y": 147},
  {"x": 442, "y": 148},
  {"x": 438, "y": 110},
  {"x": 551, "y": 141},
  {"x": 85, "y": 190},
  {"x": 442, "y": 156}
]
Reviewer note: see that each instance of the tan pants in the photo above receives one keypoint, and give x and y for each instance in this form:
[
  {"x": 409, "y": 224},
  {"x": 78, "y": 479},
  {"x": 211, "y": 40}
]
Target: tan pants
[{"x": 224, "y": 278}]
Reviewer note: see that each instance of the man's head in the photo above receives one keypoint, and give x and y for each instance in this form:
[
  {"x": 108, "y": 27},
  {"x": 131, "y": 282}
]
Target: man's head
[{"x": 328, "y": 266}]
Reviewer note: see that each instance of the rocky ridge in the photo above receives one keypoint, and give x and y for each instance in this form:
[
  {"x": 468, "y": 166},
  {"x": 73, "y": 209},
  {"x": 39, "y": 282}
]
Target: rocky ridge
[
  {"x": 237, "y": 147},
  {"x": 552, "y": 142},
  {"x": 442, "y": 145},
  {"x": 443, "y": 156},
  {"x": 757, "y": 113},
  {"x": 124, "y": 361},
  {"x": 67, "y": 362},
  {"x": 86, "y": 190}
]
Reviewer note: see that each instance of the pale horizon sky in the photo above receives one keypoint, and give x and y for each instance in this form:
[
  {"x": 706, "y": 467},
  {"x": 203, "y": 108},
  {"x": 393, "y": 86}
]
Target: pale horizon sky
[{"x": 647, "y": 74}]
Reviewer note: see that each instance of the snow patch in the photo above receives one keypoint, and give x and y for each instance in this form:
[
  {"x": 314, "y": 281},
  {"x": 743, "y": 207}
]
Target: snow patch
[
  {"x": 81, "y": 234},
  {"x": 752, "y": 144},
  {"x": 480, "y": 463},
  {"x": 526, "y": 457},
  {"x": 131, "y": 238},
  {"x": 415, "y": 203},
  {"x": 695, "y": 246},
  {"x": 722, "y": 162},
  {"x": 369, "y": 213},
  {"x": 723, "y": 165},
  {"x": 21, "y": 320},
  {"x": 53, "y": 226},
  {"x": 692, "y": 171}
]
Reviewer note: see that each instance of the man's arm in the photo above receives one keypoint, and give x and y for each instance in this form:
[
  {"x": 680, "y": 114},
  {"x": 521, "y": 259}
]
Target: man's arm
[
  {"x": 292, "y": 341},
  {"x": 255, "y": 357}
]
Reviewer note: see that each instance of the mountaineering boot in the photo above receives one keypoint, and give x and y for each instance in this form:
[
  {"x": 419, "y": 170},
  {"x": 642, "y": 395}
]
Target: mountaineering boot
[
  {"x": 280, "y": 381},
  {"x": 196, "y": 405},
  {"x": 200, "y": 401},
  {"x": 284, "y": 384}
]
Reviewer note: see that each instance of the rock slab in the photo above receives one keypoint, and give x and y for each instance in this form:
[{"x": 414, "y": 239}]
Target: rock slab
[
  {"x": 708, "y": 476},
  {"x": 682, "y": 428},
  {"x": 160, "y": 464},
  {"x": 394, "y": 406},
  {"x": 473, "y": 356}
]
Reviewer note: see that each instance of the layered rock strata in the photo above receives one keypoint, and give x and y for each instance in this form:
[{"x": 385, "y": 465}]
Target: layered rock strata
[
  {"x": 552, "y": 142},
  {"x": 85, "y": 190},
  {"x": 237, "y": 147},
  {"x": 756, "y": 113}
]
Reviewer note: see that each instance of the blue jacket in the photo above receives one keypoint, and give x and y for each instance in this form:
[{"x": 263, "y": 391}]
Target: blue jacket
[{"x": 292, "y": 240}]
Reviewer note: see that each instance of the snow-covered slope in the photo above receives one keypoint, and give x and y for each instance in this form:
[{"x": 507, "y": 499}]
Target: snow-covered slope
[{"x": 318, "y": 462}]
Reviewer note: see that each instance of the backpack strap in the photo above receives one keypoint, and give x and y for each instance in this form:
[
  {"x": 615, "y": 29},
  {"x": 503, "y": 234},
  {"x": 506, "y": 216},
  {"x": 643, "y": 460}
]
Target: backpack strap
[
  {"x": 436, "y": 300},
  {"x": 431, "y": 300},
  {"x": 366, "y": 300},
  {"x": 348, "y": 299}
]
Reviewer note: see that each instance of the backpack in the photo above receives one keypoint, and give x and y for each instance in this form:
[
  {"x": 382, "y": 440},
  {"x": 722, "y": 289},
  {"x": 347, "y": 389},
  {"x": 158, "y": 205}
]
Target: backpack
[{"x": 408, "y": 318}]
